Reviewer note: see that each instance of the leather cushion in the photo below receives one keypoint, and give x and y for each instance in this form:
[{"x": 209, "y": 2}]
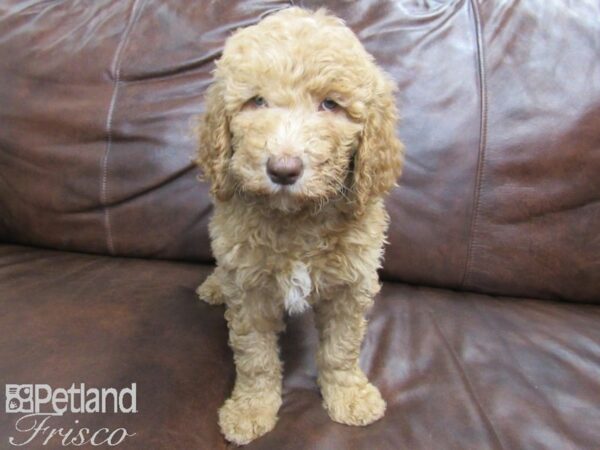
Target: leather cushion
[
  {"x": 458, "y": 370},
  {"x": 501, "y": 118}
]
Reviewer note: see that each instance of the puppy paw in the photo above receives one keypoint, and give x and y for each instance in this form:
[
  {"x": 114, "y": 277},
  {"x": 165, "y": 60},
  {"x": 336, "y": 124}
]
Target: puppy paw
[
  {"x": 210, "y": 291},
  {"x": 353, "y": 405},
  {"x": 244, "y": 419}
]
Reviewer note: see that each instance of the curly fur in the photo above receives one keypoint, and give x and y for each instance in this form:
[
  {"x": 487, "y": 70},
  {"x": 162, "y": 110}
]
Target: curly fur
[{"x": 316, "y": 243}]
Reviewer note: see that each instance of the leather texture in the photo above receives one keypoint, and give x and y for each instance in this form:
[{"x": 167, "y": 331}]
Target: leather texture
[
  {"x": 500, "y": 104},
  {"x": 496, "y": 217},
  {"x": 458, "y": 370},
  {"x": 98, "y": 103}
]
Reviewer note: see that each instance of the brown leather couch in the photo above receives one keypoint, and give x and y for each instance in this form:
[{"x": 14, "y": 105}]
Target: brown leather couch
[{"x": 486, "y": 334}]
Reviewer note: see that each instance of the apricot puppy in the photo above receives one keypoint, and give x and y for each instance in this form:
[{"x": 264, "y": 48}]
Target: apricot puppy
[{"x": 298, "y": 142}]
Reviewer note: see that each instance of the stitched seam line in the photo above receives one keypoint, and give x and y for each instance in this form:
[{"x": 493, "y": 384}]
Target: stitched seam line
[
  {"x": 483, "y": 119},
  {"x": 116, "y": 71}
]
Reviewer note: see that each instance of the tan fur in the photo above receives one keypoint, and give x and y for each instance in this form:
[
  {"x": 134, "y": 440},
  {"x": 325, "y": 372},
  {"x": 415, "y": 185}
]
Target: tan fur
[{"x": 317, "y": 242}]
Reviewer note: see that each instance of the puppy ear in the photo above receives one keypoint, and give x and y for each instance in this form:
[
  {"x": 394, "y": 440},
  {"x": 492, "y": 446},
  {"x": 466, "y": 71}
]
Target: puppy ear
[
  {"x": 214, "y": 146},
  {"x": 379, "y": 157}
]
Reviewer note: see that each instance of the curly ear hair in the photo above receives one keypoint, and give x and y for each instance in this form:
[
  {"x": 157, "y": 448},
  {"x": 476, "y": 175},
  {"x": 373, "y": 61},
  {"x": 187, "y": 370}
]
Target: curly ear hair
[
  {"x": 379, "y": 157},
  {"x": 214, "y": 147}
]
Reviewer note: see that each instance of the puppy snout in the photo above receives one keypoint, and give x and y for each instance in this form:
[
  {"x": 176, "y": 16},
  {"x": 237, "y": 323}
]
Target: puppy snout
[{"x": 284, "y": 170}]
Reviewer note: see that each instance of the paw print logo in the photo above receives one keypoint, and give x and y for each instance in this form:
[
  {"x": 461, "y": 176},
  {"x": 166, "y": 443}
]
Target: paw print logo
[{"x": 19, "y": 398}]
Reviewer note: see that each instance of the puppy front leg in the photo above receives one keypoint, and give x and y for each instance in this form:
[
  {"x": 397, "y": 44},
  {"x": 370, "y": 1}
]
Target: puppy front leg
[
  {"x": 251, "y": 411},
  {"x": 347, "y": 394}
]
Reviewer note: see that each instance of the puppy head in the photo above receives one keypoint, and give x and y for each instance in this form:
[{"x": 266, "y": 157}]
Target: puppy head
[{"x": 298, "y": 115}]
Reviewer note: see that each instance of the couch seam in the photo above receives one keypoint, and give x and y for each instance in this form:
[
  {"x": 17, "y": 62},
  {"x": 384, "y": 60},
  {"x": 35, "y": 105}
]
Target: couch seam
[
  {"x": 483, "y": 129},
  {"x": 466, "y": 379},
  {"x": 115, "y": 69}
]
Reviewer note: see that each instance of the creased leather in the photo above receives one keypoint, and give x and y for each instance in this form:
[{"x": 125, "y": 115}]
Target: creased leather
[
  {"x": 458, "y": 370},
  {"x": 95, "y": 142}
]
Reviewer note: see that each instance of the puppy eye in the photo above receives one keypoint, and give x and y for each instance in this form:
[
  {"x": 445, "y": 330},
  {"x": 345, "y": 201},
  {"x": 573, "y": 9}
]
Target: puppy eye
[
  {"x": 329, "y": 105},
  {"x": 255, "y": 103},
  {"x": 258, "y": 101}
]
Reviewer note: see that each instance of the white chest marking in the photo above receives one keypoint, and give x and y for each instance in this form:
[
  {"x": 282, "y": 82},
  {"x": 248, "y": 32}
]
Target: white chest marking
[{"x": 298, "y": 289}]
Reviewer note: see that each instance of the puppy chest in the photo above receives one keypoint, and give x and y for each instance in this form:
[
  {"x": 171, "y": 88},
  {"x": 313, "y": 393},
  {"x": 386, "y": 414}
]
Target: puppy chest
[
  {"x": 296, "y": 286},
  {"x": 301, "y": 285}
]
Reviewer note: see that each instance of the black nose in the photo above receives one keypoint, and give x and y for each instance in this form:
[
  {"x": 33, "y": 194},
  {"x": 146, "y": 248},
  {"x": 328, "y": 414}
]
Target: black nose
[{"x": 284, "y": 169}]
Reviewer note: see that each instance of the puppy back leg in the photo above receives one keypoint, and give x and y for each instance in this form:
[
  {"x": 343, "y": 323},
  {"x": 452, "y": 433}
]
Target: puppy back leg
[
  {"x": 348, "y": 396},
  {"x": 251, "y": 411},
  {"x": 211, "y": 289}
]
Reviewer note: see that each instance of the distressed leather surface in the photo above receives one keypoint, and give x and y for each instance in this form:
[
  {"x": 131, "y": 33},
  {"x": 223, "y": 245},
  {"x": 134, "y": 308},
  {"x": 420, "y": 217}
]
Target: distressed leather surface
[
  {"x": 458, "y": 370},
  {"x": 501, "y": 118},
  {"x": 500, "y": 104}
]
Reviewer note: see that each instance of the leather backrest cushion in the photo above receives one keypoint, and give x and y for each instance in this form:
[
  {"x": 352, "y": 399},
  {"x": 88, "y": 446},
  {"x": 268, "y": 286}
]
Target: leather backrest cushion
[
  {"x": 501, "y": 118},
  {"x": 97, "y": 100}
]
